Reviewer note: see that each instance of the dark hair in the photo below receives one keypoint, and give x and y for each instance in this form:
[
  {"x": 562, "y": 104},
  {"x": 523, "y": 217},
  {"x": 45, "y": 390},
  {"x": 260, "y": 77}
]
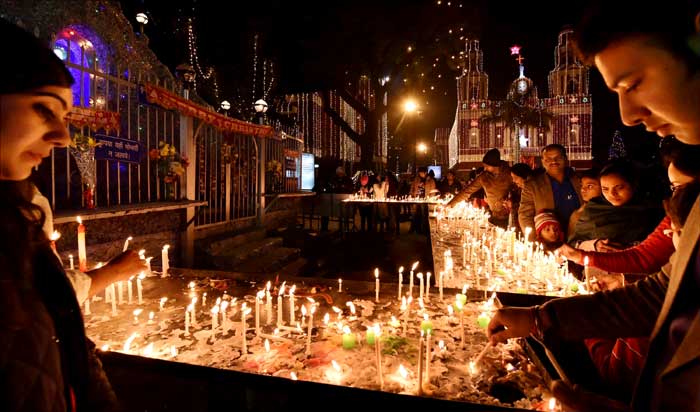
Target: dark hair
[
  {"x": 606, "y": 22},
  {"x": 678, "y": 207},
  {"x": 589, "y": 173},
  {"x": 683, "y": 156},
  {"x": 33, "y": 65},
  {"x": 624, "y": 169},
  {"x": 423, "y": 169},
  {"x": 555, "y": 146},
  {"x": 521, "y": 170}
]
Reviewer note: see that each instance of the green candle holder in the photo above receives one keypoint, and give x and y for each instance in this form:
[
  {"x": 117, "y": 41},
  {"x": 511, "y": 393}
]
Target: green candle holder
[{"x": 349, "y": 341}]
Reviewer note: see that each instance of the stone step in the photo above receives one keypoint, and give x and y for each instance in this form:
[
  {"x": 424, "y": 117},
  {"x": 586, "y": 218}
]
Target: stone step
[
  {"x": 272, "y": 261},
  {"x": 220, "y": 246},
  {"x": 295, "y": 268},
  {"x": 230, "y": 258}
]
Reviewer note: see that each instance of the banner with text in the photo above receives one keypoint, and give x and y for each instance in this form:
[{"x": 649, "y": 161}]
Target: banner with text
[{"x": 115, "y": 148}]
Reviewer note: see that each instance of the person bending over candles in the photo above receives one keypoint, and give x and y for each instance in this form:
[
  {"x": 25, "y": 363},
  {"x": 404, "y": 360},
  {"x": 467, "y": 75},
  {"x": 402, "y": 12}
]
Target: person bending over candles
[{"x": 650, "y": 57}]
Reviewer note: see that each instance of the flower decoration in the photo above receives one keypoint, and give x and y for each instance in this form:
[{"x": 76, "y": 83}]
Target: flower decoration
[
  {"x": 169, "y": 162},
  {"x": 83, "y": 143}
]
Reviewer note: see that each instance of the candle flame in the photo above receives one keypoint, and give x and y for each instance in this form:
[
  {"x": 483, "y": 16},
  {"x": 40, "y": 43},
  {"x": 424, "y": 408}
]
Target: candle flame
[
  {"x": 351, "y": 306},
  {"x": 151, "y": 315},
  {"x": 267, "y": 345},
  {"x": 162, "y": 302},
  {"x": 415, "y": 265},
  {"x": 215, "y": 310},
  {"x": 191, "y": 285},
  {"x": 99, "y": 265},
  {"x": 509, "y": 367},
  {"x": 224, "y": 305},
  {"x": 441, "y": 345},
  {"x": 376, "y": 273},
  {"x": 260, "y": 295},
  {"x": 458, "y": 304},
  {"x": 269, "y": 285},
  {"x": 291, "y": 291},
  {"x": 142, "y": 253},
  {"x": 165, "y": 248},
  {"x": 346, "y": 329},
  {"x": 425, "y": 316},
  {"x": 293, "y": 376},
  {"x": 465, "y": 288},
  {"x": 335, "y": 365},
  {"x": 142, "y": 275},
  {"x": 104, "y": 348},
  {"x": 137, "y": 312},
  {"x": 326, "y": 318},
  {"x": 337, "y": 310},
  {"x": 218, "y": 301},
  {"x": 173, "y": 351},
  {"x": 585, "y": 263},
  {"x": 311, "y": 300},
  {"x": 299, "y": 327},
  {"x": 402, "y": 371},
  {"x": 377, "y": 330},
  {"x": 276, "y": 332},
  {"x": 472, "y": 368},
  {"x": 281, "y": 293},
  {"x": 403, "y": 303},
  {"x": 419, "y": 275},
  {"x": 80, "y": 220},
  {"x": 55, "y": 236},
  {"x": 247, "y": 311},
  {"x": 450, "y": 311},
  {"x": 400, "y": 269},
  {"x": 303, "y": 311},
  {"x": 552, "y": 404}
]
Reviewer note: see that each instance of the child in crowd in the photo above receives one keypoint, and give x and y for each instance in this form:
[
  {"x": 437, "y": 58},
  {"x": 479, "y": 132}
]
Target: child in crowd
[{"x": 548, "y": 230}]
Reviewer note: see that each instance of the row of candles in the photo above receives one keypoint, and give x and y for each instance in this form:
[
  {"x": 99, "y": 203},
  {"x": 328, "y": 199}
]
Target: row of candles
[{"x": 398, "y": 199}]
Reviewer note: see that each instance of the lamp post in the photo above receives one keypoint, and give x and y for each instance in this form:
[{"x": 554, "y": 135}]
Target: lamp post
[
  {"x": 225, "y": 106},
  {"x": 260, "y": 107},
  {"x": 420, "y": 147},
  {"x": 142, "y": 19},
  {"x": 410, "y": 107}
]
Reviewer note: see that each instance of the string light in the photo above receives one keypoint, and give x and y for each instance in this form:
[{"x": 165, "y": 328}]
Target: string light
[{"x": 194, "y": 60}]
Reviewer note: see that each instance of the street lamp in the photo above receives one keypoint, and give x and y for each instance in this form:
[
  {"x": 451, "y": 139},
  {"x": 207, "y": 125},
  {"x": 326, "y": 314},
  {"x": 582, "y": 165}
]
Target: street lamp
[
  {"x": 225, "y": 105},
  {"x": 420, "y": 147},
  {"x": 260, "y": 107},
  {"x": 410, "y": 107},
  {"x": 142, "y": 19}
]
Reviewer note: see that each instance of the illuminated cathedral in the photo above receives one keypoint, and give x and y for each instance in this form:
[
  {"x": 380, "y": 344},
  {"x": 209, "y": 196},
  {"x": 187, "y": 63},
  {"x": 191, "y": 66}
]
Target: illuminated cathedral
[{"x": 563, "y": 117}]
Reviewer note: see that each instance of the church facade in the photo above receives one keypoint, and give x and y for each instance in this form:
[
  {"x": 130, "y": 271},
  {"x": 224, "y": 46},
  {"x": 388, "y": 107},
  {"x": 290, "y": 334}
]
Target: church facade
[{"x": 522, "y": 124}]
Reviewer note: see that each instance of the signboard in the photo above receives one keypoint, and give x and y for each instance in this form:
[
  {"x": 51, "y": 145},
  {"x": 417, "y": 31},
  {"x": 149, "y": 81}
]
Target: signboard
[
  {"x": 308, "y": 171},
  {"x": 114, "y": 148},
  {"x": 437, "y": 170}
]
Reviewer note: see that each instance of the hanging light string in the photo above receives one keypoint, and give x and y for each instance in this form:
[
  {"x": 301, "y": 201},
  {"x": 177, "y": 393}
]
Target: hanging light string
[{"x": 208, "y": 74}]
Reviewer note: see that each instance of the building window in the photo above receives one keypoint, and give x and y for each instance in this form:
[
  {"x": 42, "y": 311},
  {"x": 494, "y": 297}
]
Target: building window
[
  {"x": 85, "y": 57},
  {"x": 474, "y": 137}
]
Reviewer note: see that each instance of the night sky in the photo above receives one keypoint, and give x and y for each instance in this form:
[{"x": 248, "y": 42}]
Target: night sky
[{"x": 314, "y": 45}]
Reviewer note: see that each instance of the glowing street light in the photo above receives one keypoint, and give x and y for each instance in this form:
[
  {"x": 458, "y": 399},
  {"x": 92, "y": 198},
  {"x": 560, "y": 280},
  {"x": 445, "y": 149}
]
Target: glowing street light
[
  {"x": 422, "y": 147},
  {"x": 410, "y": 106}
]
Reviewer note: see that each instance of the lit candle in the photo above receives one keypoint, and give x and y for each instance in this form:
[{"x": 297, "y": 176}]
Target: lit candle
[
  {"x": 340, "y": 285},
  {"x": 587, "y": 274},
  {"x": 54, "y": 237},
  {"x": 420, "y": 364},
  {"x": 369, "y": 335},
  {"x": 410, "y": 280},
  {"x": 162, "y": 303},
  {"x": 165, "y": 261},
  {"x": 258, "y": 299},
  {"x": 187, "y": 319},
  {"x": 82, "y": 253},
  {"x": 376, "y": 285},
  {"x": 427, "y": 354},
  {"x": 70, "y": 260},
  {"x": 280, "y": 320},
  {"x": 151, "y": 315},
  {"x": 268, "y": 304},
  {"x": 481, "y": 354},
  {"x": 214, "y": 318},
  {"x": 349, "y": 339},
  {"x": 440, "y": 283},
  {"x": 552, "y": 404},
  {"x": 139, "y": 287},
  {"x": 204, "y": 299},
  {"x": 224, "y": 321},
  {"x": 244, "y": 312},
  {"x": 420, "y": 278},
  {"x": 427, "y": 286},
  {"x": 126, "y": 244},
  {"x": 130, "y": 291},
  {"x": 400, "y": 281},
  {"x": 312, "y": 309},
  {"x": 291, "y": 305},
  {"x": 377, "y": 349}
]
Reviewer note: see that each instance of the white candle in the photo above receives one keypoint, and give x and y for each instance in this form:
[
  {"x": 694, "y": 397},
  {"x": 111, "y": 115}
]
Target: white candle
[
  {"x": 410, "y": 280},
  {"x": 312, "y": 309},
  {"x": 162, "y": 303},
  {"x": 340, "y": 285},
  {"x": 291, "y": 305},
  {"x": 54, "y": 237},
  {"x": 280, "y": 320},
  {"x": 70, "y": 260},
  {"x": 376, "y": 285},
  {"x": 204, "y": 299},
  {"x": 400, "y": 281},
  {"x": 244, "y": 312},
  {"x": 427, "y": 357},
  {"x": 151, "y": 315},
  {"x": 126, "y": 244},
  {"x": 427, "y": 286},
  {"x": 378, "y": 352},
  {"x": 166, "y": 262},
  {"x": 214, "y": 318},
  {"x": 224, "y": 321},
  {"x": 130, "y": 291},
  {"x": 440, "y": 283},
  {"x": 420, "y": 278},
  {"x": 268, "y": 304},
  {"x": 114, "y": 300},
  {"x": 87, "y": 307},
  {"x": 258, "y": 299},
  {"x": 586, "y": 274},
  {"x": 420, "y": 364},
  {"x": 82, "y": 253},
  {"x": 136, "y": 313},
  {"x": 139, "y": 287},
  {"x": 187, "y": 320}
]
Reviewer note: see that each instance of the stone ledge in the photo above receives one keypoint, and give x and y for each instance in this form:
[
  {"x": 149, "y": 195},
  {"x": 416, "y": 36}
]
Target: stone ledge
[{"x": 67, "y": 216}]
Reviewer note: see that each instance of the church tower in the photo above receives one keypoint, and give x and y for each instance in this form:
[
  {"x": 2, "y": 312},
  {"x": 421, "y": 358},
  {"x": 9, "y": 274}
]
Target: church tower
[{"x": 473, "y": 84}]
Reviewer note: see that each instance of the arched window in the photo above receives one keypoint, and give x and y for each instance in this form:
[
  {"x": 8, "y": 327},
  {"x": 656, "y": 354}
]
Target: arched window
[{"x": 85, "y": 56}]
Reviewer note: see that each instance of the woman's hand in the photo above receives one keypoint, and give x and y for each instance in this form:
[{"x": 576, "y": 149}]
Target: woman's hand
[
  {"x": 509, "y": 323},
  {"x": 608, "y": 246},
  {"x": 122, "y": 267},
  {"x": 571, "y": 253}
]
